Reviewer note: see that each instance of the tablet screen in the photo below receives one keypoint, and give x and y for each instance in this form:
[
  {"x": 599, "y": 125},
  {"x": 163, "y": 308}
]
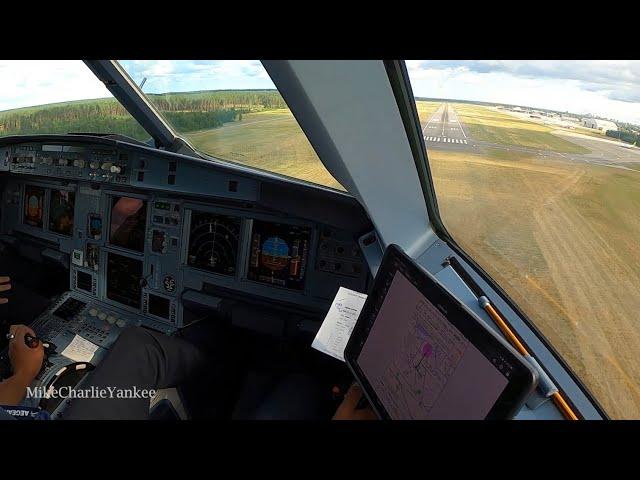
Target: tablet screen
[{"x": 421, "y": 366}]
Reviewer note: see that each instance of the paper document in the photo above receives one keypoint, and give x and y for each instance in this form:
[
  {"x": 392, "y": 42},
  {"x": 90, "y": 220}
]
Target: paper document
[
  {"x": 336, "y": 329},
  {"x": 80, "y": 350}
]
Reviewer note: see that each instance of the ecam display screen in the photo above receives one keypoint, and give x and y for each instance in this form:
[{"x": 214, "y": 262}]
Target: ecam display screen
[
  {"x": 128, "y": 223},
  {"x": 33, "y": 206},
  {"x": 159, "y": 306},
  {"x": 421, "y": 366},
  {"x": 123, "y": 279},
  {"x": 61, "y": 212}
]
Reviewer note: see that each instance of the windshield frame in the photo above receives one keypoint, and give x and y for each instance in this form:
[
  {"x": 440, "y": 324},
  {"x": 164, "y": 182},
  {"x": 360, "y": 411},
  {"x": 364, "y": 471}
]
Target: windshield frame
[{"x": 124, "y": 89}]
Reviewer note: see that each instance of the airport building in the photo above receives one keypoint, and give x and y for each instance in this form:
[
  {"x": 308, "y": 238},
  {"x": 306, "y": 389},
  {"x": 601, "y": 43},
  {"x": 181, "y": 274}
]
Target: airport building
[{"x": 603, "y": 125}]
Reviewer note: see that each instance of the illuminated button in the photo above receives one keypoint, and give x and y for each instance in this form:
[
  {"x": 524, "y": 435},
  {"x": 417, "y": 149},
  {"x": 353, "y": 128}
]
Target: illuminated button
[
  {"x": 102, "y": 315},
  {"x": 111, "y": 319},
  {"x": 121, "y": 323},
  {"x": 93, "y": 312}
]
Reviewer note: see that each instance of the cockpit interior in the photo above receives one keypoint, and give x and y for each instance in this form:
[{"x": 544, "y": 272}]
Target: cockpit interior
[{"x": 101, "y": 232}]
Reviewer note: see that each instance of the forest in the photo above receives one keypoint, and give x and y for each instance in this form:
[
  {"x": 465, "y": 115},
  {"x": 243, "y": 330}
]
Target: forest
[{"x": 186, "y": 112}]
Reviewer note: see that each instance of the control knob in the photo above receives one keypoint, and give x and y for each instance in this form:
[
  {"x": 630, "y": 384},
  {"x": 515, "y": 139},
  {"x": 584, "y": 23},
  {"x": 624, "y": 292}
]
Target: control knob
[
  {"x": 94, "y": 165},
  {"x": 93, "y": 312},
  {"x": 63, "y": 162},
  {"x": 121, "y": 323},
  {"x": 115, "y": 169},
  {"x": 78, "y": 163},
  {"x": 106, "y": 166}
]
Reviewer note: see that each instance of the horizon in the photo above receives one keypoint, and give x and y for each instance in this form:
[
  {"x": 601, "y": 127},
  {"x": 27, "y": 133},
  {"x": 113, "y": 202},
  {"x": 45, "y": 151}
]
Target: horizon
[
  {"x": 417, "y": 98},
  {"x": 610, "y": 88}
]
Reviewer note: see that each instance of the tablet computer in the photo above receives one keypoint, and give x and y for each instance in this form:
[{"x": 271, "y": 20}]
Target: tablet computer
[{"x": 420, "y": 354}]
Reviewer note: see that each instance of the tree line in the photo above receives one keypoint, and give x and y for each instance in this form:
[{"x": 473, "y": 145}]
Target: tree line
[
  {"x": 625, "y": 136},
  {"x": 186, "y": 112}
]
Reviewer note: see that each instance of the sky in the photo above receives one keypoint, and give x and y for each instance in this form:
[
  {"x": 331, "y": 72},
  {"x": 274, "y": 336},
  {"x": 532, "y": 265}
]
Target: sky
[{"x": 610, "y": 89}]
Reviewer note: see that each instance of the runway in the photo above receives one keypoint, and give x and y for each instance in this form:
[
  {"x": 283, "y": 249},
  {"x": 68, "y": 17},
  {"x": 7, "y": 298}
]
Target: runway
[{"x": 444, "y": 130}]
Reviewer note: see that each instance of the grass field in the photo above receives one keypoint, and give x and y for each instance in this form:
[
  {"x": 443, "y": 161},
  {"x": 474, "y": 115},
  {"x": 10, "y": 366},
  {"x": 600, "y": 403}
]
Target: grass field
[
  {"x": 270, "y": 140},
  {"x": 491, "y": 125},
  {"x": 561, "y": 238}
]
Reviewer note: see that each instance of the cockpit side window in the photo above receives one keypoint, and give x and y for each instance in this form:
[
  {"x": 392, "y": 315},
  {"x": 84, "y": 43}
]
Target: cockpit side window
[
  {"x": 536, "y": 170},
  {"x": 59, "y": 97},
  {"x": 231, "y": 110}
]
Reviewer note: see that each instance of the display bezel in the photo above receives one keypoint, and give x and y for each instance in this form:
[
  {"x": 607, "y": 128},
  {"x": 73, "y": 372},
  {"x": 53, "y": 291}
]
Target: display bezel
[
  {"x": 105, "y": 269},
  {"x": 49, "y": 197},
  {"x": 45, "y": 207},
  {"x": 187, "y": 243},
  {"x": 110, "y": 195},
  {"x": 310, "y": 251},
  {"x": 48, "y": 187},
  {"x": 79, "y": 272},
  {"x": 523, "y": 379},
  {"x": 170, "y": 301}
]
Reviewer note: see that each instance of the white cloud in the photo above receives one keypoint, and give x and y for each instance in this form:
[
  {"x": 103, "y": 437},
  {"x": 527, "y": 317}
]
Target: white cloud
[
  {"x": 190, "y": 75},
  {"x": 26, "y": 83},
  {"x": 606, "y": 88}
]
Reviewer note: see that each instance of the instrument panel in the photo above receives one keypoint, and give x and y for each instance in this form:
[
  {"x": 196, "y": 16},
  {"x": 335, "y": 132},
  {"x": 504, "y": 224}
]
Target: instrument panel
[
  {"x": 138, "y": 247},
  {"x": 214, "y": 242},
  {"x": 279, "y": 254}
]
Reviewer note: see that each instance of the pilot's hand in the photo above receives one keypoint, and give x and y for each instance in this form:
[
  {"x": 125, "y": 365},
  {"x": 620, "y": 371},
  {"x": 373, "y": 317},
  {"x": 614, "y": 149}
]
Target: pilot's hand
[
  {"x": 26, "y": 361},
  {"x": 347, "y": 409},
  {"x": 4, "y": 286}
]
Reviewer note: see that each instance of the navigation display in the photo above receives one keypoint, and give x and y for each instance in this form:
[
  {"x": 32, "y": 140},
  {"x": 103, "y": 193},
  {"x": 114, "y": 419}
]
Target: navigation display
[
  {"x": 61, "y": 211},
  {"x": 213, "y": 242},
  {"x": 279, "y": 254},
  {"x": 128, "y": 223},
  {"x": 124, "y": 275},
  {"x": 33, "y": 205}
]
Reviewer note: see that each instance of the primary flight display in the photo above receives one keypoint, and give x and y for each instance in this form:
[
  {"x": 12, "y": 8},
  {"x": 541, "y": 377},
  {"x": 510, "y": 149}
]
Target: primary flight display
[{"x": 279, "y": 254}]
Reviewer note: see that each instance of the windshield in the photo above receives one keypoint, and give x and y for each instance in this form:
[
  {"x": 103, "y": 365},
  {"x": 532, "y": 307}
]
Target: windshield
[
  {"x": 59, "y": 96},
  {"x": 536, "y": 169},
  {"x": 230, "y": 109}
]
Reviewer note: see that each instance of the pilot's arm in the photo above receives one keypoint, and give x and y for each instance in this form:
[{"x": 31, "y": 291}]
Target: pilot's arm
[{"x": 26, "y": 363}]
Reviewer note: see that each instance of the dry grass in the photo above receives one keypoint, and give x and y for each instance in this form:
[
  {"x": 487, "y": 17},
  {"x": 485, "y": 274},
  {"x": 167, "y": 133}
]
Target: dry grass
[
  {"x": 491, "y": 125},
  {"x": 560, "y": 239},
  {"x": 270, "y": 140}
]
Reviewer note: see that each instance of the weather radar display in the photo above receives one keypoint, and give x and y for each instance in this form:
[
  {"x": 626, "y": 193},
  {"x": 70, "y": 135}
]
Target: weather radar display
[
  {"x": 213, "y": 242},
  {"x": 279, "y": 254}
]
